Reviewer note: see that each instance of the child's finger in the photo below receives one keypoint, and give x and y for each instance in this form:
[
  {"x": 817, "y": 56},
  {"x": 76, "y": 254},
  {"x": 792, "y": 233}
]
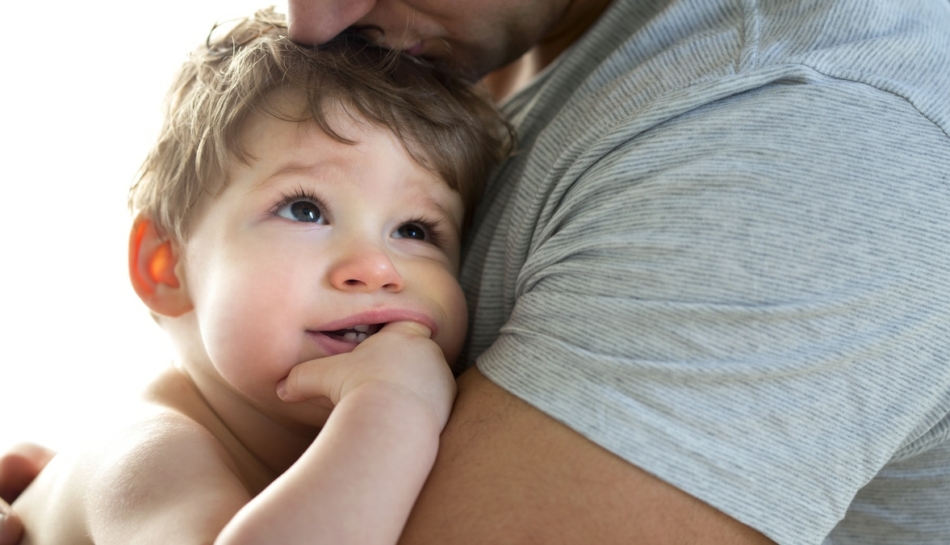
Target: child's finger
[
  {"x": 311, "y": 379},
  {"x": 327, "y": 377},
  {"x": 408, "y": 327}
]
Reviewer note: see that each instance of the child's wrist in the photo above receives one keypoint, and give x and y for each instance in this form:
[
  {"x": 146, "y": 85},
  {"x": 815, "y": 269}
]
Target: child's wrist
[{"x": 389, "y": 398}]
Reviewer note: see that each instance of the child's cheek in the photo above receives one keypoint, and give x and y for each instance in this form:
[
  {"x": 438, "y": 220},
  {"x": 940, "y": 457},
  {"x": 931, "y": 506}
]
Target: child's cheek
[
  {"x": 246, "y": 333},
  {"x": 453, "y": 336}
]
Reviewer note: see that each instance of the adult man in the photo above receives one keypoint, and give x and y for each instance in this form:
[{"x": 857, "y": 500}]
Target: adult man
[{"x": 708, "y": 298}]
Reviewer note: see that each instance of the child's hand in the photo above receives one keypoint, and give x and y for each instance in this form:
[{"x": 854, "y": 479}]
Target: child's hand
[
  {"x": 18, "y": 467},
  {"x": 401, "y": 355}
]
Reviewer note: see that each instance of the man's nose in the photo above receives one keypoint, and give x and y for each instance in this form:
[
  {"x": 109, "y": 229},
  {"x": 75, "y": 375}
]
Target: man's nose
[
  {"x": 365, "y": 268},
  {"x": 315, "y": 22}
]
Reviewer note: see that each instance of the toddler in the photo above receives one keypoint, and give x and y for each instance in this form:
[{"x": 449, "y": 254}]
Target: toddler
[{"x": 297, "y": 236}]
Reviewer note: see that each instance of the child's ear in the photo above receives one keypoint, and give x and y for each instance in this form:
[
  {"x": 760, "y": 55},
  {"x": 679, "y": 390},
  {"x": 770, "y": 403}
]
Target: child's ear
[{"x": 152, "y": 262}]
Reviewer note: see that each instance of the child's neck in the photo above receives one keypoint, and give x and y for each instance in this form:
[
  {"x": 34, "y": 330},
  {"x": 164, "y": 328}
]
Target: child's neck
[{"x": 261, "y": 448}]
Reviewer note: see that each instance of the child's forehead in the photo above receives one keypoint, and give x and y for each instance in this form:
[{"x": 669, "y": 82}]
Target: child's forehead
[{"x": 327, "y": 117}]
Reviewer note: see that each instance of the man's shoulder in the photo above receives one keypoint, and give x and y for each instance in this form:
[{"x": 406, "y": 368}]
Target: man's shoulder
[{"x": 641, "y": 68}]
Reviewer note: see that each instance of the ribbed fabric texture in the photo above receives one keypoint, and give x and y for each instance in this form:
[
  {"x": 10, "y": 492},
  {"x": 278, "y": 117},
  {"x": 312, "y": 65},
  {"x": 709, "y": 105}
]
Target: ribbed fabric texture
[{"x": 724, "y": 255}]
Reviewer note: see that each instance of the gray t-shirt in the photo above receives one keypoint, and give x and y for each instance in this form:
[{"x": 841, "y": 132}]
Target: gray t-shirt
[{"x": 724, "y": 255}]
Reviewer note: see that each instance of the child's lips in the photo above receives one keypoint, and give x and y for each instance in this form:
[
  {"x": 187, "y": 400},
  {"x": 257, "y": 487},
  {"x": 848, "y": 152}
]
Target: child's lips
[
  {"x": 378, "y": 318},
  {"x": 341, "y": 336},
  {"x": 332, "y": 344},
  {"x": 357, "y": 334}
]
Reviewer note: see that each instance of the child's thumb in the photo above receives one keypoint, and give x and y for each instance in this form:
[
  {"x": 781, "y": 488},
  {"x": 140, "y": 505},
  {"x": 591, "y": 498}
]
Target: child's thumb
[{"x": 408, "y": 327}]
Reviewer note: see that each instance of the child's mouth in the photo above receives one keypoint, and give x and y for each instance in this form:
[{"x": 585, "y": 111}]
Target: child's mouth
[{"x": 355, "y": 334}]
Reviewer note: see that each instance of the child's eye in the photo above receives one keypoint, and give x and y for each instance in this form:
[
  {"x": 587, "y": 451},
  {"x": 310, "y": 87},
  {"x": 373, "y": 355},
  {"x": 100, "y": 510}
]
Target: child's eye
[
  {"x": 413, "y": 231},
  {"x": 301, "y": 210},
  {"x": 424, "y": 230}
]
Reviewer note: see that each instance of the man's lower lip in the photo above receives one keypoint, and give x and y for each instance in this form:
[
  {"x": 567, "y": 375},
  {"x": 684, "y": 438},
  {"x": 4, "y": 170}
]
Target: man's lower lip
[{"x": 415, "y": 50}]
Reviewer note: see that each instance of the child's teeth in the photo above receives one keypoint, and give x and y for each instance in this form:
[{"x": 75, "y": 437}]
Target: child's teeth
[
  {"x": 354, "y": 336},
  {"x": 362, "y": 328}
]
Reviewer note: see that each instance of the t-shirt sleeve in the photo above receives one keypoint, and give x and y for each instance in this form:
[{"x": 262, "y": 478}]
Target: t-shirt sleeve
[{"x": 749, "y": 300}]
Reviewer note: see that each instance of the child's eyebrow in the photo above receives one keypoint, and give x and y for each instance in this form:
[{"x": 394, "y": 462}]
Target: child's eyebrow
[
  {"x": 319, "y": 169},
  {"x": 432, "y": 203}
]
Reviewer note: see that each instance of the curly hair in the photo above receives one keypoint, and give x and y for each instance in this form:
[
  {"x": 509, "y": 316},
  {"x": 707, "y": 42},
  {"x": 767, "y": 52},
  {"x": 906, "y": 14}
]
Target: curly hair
[{"x": 446, "y": 124}]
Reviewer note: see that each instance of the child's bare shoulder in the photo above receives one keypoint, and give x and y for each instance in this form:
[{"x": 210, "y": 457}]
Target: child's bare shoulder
[
  {"x": 163, "y": 450},
  {"x": 158, "y": 466},
  {"x": 168, "y": 469}
]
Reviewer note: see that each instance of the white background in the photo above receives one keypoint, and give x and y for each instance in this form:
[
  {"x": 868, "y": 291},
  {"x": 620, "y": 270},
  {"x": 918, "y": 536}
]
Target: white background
[{"x": 81, "y": 86}]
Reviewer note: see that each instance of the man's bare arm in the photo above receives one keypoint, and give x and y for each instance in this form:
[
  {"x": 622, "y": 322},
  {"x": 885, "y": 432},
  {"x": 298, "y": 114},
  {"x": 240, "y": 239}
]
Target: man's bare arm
[{"x": 507, "y": 473}]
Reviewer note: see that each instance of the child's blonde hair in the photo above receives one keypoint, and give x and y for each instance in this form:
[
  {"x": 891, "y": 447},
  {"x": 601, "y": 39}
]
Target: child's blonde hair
[{"x": 448, "y": 126}]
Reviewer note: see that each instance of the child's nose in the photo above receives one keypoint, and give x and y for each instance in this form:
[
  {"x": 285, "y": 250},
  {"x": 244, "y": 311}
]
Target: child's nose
[{"x": 365, "y": 269}]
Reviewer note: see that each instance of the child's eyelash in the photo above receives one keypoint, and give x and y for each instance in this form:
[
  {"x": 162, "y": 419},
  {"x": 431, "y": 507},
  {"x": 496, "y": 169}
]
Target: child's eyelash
[
  {"x": 298, "y": 194},
  {"x": 435, "y": 229}
]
